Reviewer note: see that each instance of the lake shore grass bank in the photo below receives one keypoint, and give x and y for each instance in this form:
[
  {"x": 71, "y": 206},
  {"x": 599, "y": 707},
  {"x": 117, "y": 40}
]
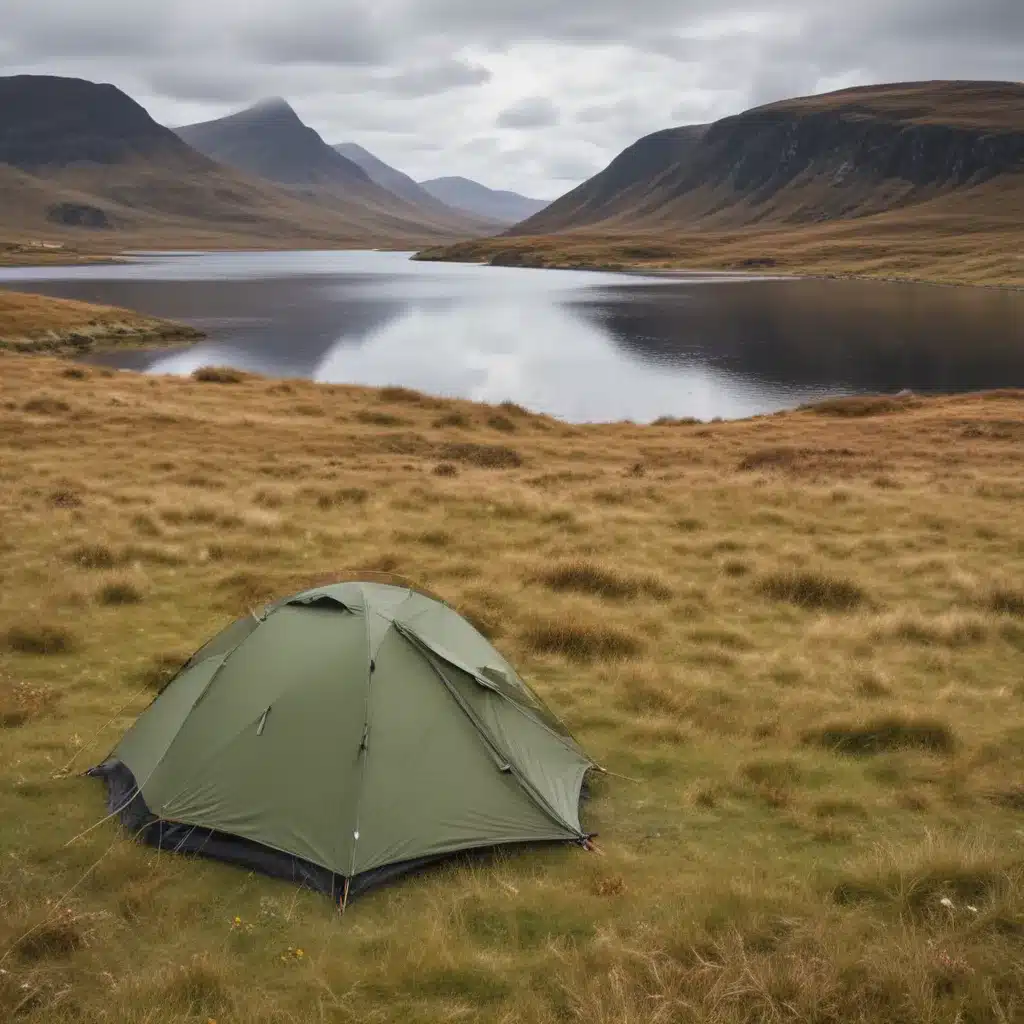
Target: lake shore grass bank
[
  {"x": 947, "y": 253},
  {"x": 41, "y": 324},
  {"x": 800, "y": 637}
]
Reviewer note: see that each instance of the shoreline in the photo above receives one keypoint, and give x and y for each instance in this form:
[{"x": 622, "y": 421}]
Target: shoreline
[
  {"x": 681, "y": 273},
  {"x": 33, "y": 324},
  {"x": 27, "y": 258}
]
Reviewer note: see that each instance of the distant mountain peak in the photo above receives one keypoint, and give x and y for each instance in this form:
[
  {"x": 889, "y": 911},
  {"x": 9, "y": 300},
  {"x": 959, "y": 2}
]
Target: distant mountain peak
[
  {"x": 472, "y": 197},
  {"x": 273, "y": 104}
]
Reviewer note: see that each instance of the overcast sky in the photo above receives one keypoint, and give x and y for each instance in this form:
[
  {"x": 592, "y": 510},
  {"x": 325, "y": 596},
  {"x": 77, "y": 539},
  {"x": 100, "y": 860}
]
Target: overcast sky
[{"x": 533, "y": 95}]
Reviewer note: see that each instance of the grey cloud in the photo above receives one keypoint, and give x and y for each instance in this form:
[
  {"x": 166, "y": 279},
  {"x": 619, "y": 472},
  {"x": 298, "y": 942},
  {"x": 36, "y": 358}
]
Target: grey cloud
[
  {"x": 535, "y": 112},
  {"x": 384, "y": 69},
  {"x": 107, "y": 28},
  {"x": 429, "y": 79},
  {"x": 204, "y": 84}
]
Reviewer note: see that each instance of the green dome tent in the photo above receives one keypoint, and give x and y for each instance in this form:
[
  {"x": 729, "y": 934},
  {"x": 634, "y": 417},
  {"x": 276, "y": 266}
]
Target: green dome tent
[{"x": 343, "y": 736}]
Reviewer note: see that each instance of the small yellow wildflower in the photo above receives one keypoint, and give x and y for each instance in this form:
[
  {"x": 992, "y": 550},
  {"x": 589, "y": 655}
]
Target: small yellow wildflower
[
  {"x": 299, "y": 952},
  {"x": 238, "y": 920}
]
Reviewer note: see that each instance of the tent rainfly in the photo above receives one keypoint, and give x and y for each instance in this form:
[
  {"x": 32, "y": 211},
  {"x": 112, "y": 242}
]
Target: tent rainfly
[{"x": 343, "y": 736}]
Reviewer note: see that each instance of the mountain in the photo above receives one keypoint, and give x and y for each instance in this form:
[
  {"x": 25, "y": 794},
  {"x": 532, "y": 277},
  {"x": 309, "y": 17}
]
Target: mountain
[
  {"x": 838, "y": 156},
  {"x": 81, "y": 159},
  {"x": 387, "y": 176},
  {"x": 471, "y": 196},
  {"x": 269, "y": 140}
]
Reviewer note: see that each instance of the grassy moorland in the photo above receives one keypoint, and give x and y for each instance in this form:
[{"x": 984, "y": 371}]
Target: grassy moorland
[
  {"x": 801, "y": 636},
  {"x": 38, "y": 323}
]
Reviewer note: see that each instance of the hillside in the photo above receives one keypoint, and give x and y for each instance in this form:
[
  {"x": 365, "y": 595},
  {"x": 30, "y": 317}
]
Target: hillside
[
  {"x": 842, "y": 155},
  {"x": 800, "y": 638},
  {"x": 84, "y": 163},
  {"x": 922, "y": 179},
  {"x": 493, "y": 204}
]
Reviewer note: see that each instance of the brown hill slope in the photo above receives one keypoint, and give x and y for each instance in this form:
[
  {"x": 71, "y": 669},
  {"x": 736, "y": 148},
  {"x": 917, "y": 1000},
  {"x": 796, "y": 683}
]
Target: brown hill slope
[
  {"x": 84, "y": 161},
  {"x": 922, "y": 179}
]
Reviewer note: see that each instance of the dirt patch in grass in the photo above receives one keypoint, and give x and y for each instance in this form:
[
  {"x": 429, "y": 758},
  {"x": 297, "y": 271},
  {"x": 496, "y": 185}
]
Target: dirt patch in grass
[
  {"x": 881, "y": 735},
  {"x": 486, "y": 456},
  {"x": 813, "y": 590},
  {"x": 585, "y": 577}
]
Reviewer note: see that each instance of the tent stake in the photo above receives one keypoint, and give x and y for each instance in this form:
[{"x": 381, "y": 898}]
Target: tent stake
[{"x": 344, "y": 896}]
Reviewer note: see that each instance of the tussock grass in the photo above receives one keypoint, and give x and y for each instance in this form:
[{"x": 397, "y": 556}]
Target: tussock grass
[
  {"x": 880, "y": 735},
  {"x": 1006, "y": 601},
  {"x": 580, "y": 638},
  {"x": 950, "y": 629},
  {"x": 487, "y": 456},
  {"x": 121, "y": 590},
  {"x": 456, "y": 418},
  {"x": 21, "y": 702},
  {"x": 65, "y": 497},
  {"x": 40, "y": 637},
  {"x": 769, "y": 742},
  {"x": 813, "y": 590},
  {"x": 585, "y": 577},
  {"x": 94, "y": 556},
  {"x": 161, "y": 670},
  {"x": 862, "y": 405},
  {"x": 46, "y": 405},
  {"x": 218, "y": 375},
  {"x": 376, "y": 418}
]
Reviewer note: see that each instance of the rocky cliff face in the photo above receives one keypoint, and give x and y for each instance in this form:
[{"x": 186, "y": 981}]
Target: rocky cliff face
[{"x": 848, "y": 154}]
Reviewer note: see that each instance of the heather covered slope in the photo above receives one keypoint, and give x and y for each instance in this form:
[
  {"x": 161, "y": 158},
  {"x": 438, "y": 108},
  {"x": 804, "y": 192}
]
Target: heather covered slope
[{"x": 801, "y": 637}]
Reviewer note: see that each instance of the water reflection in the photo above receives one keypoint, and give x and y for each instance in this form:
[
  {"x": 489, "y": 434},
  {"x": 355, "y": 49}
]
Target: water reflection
[{"x": 583, "y": 346}]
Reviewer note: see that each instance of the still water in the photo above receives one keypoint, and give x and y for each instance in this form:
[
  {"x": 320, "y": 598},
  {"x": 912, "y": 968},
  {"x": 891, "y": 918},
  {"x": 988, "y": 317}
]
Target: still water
[{"x": 583, "y": 346}]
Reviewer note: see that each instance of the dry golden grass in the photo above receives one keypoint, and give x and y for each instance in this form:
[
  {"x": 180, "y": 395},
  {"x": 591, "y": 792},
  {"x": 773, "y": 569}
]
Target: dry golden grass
[
  {"x": 811, "y": 667},
  {"x": 38, "y": 323}
]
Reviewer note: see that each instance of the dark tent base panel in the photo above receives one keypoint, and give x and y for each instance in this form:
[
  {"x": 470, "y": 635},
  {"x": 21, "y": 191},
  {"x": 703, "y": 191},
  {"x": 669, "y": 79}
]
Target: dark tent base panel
[{"x": 125, "y": 800}]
